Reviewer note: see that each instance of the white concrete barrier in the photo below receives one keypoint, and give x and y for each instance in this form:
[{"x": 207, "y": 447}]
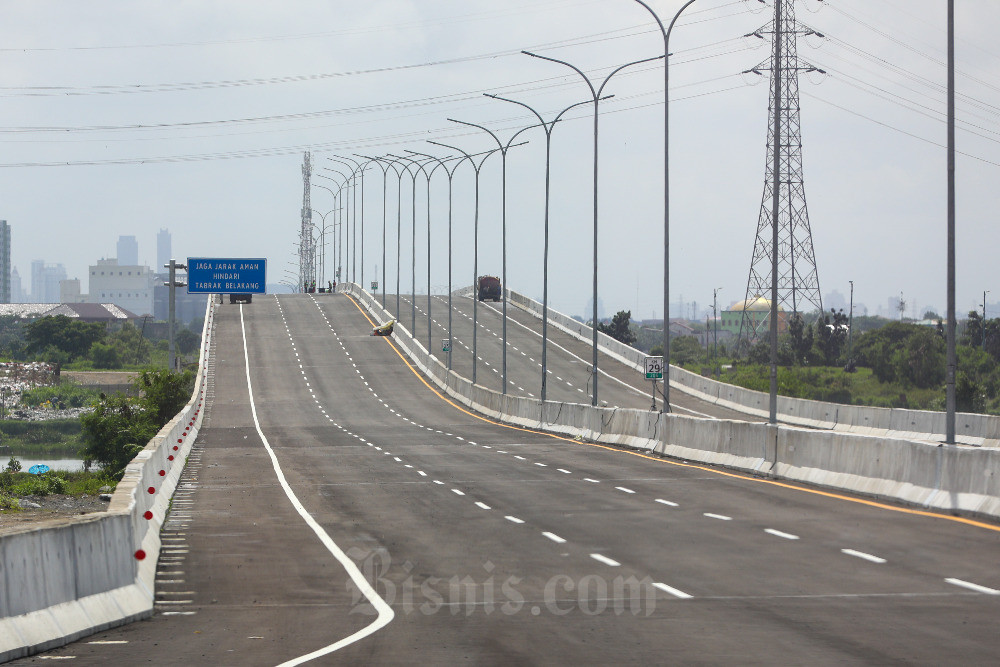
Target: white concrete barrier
[
  {"x": 67, "y": 579},
  {"x": 866, "y": 459},
  {"x": 971, "y": 429}
]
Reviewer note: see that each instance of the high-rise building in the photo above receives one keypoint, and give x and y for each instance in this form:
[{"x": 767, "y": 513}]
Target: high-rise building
[
  {"x": 128, "y": 251},
  {"x": 17, "y": 294},
  {"x": 162, "y": 250},
  {"x": 4, "y": 262},
  {"x": 45, "y": 279}
]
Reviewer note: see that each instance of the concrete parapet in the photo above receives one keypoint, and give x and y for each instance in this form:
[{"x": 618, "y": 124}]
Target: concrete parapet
[{"x": 66, "y": 579}]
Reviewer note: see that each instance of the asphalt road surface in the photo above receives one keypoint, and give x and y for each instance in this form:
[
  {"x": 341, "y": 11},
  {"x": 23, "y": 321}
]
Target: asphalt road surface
[
  {"x": 337, "y": 465},
  {"x": 568, "y": 360}
]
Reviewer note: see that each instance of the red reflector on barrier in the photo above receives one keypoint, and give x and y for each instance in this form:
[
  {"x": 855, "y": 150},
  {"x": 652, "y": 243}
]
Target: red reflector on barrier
[
  {"x": 148, "y": 515},
  {"x": 162, "y": 473},
  {"x": 175, "y": 448},
  {"x": 170, "y": 458},
  {"x": 140, "y": 555},
  {"x": 151, "y": 490}
]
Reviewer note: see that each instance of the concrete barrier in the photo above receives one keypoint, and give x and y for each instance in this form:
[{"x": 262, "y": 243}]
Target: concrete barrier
[
  {"x": 865, "y": 458},
  {"x": 971, "y": 429},
  {"x": 66, "y": 579}
]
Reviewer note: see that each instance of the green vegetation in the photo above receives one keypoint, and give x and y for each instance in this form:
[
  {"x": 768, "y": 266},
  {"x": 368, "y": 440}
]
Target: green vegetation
[
  {"x": 14, "y": 482},
  {"x": 90, "y": 346},
  {"x": 62, "y": 395},
  {"x": 43, "y": 438},
  {"x": 120, "y": 426},
  {"x": 619, "y": 327},
  {"x": 889, "y": 363}
]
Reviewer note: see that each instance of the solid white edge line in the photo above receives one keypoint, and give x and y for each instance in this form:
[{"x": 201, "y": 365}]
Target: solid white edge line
[
  {"x": 385, "y": 613},
  {"x": 972, "y": 587},
  {"x": 673, "y": 591}
]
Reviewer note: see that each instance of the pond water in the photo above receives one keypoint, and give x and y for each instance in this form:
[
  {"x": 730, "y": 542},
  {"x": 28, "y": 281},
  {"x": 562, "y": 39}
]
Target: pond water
[{"x": 72, "y": 465}]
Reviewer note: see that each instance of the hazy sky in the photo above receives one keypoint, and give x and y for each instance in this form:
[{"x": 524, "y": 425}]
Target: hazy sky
[{"x": 125, "y": 117}]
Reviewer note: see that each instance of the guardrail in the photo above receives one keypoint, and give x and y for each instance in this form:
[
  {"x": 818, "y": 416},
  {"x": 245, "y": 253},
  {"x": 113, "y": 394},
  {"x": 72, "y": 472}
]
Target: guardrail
[
  {"x": 955, "y": 478},
  {"x": 970, "y": 429},
  {"x": 67, "y": 579}
]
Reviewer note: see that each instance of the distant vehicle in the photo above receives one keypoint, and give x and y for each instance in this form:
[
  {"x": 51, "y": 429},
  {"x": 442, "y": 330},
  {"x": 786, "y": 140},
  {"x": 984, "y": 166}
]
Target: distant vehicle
[
  {"x": 240, "y": 298},
  {"x": 385, "y": 329},
  {"x": 490, "y": 288}
]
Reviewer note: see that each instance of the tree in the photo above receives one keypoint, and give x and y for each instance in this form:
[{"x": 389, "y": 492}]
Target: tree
[
  {"x": 63, "y": 333},
  {"x": 187, "y": 341},
  {"x": 105, "y": 355},
  {"x": 164, "y": 392},
  {"x": 801, "y": 339},
  {"x": 921, "y": 361},
  {"x": 831, "y": 335},
  {"x": 685, "y": 350},
  {"x": 619, "y": 328},
  {"x": 117, "y": 430}
]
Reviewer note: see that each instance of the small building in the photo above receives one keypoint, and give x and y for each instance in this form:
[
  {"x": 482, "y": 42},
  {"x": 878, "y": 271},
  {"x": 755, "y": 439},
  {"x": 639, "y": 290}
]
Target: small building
[{"x": 757, "y": 309}]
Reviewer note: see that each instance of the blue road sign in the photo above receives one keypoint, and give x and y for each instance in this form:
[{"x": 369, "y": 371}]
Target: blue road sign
[{"x": 214, "y": 275}]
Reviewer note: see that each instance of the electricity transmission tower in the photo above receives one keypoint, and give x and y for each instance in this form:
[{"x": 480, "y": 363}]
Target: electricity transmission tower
[
  {"x": 784, "y": 247},
  {"x": 307, "y": 245}
]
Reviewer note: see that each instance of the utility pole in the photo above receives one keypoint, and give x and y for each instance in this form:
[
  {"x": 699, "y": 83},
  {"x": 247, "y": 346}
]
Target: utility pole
[{"x": 172, "y": 283}]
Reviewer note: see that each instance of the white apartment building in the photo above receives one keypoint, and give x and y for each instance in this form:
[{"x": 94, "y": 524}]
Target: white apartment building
[{"x": 127, "y": 286}]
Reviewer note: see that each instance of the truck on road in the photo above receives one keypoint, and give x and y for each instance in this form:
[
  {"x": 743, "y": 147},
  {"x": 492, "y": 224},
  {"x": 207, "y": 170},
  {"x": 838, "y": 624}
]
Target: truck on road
[
  {"x": 489, "y": 288},
  {"x": 240, "y": 298}
]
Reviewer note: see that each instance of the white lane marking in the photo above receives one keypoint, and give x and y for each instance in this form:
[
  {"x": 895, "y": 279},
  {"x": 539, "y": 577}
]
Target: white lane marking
[
  {"x": 778, "y": 533},
  {"x": 604, "y": 559},
  {"x": 720, "y": 517},
  {"x": 666, "y": 502},
  {"x": 110, "y": 641},
  {"x": 516, "y": 456},
  {"x": 436, "y": 481},
  {"x": 587, "y": 479},
  {"x": 384, "y": 611},
  {"x": 483, "y": 505},
  {"x": 178, "y": 613},
  {"x": 673, "y": 591},
  {"x": 458, "y": 492},
  {"x": 564, "y": 470},
  {"x": 862, "y": 554},
  {"x": 555, "y": 538},
  {"x": 626, "y": 490},
  {"x": 544, "y": 465},
  {"x": 422, "y": 473},
  {"x": 514, "y": 519},
  {"x": 972, "y": 587}
]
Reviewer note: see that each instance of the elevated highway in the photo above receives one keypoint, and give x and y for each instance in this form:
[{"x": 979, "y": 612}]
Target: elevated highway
[{"x": 338, "y": 509}]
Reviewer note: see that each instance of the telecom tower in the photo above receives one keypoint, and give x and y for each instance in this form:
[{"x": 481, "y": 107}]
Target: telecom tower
[
  {"x": 307, "y": 245},
  {"x": 784, "y": 248}
]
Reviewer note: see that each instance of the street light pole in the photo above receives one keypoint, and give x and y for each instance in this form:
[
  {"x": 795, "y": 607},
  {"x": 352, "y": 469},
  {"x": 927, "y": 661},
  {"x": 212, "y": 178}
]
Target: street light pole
[
  {"x": 850, "y": 332},
  {"x": 450, "y": 173},
  {"x": 503, "y": 148},
  {"x": 952, "y": 362},
  {"x": 475, "y": 243},
  {"x": 985, "y": 292},
  {"x": 595, "y": 94},
  {"x": 666, "y": 195},
  {"x": 547, "y": 127},
  {"x": 715, "y": 322},
  {"x": 385, "y": 178}
]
